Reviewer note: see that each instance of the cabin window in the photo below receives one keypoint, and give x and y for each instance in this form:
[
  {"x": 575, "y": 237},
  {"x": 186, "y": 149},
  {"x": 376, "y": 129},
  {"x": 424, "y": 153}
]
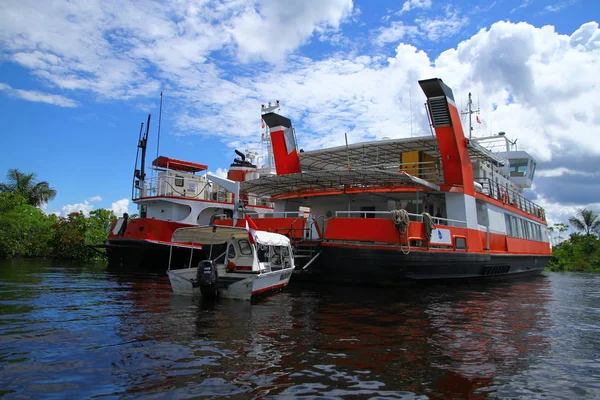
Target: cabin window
[
  {"x": 245, "y": 248},
  {"x": 231, "y": 252},
  {"x": 518, "y": 167},
  {"x": 178, "y": 180},
  {"x": 508, "y": 228},
  {"x": 460, "y": 243}
]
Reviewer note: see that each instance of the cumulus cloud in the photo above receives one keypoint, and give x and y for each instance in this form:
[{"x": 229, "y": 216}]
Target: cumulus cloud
[
  {"x": 430, "y": 28},
  {"x": 38, "y": 97},
  {"x": 414, "y": 4},
  {"x": 94, "y": 199},
  {"x": 84, "y": 207},
  {"x": 277, "y": 27},
  {"x": 120, "y": 207}
]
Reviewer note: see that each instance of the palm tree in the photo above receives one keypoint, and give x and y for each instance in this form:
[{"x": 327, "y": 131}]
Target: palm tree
[
  {"x": 589, "y": 221},
  {"x": 36, "y": 193}
]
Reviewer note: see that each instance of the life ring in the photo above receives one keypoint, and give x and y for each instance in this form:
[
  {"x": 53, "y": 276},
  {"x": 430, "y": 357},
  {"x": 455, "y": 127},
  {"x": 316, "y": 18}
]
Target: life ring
[
  {"x": 230, "y": 266},
  {"x": 503, "y": 195}
]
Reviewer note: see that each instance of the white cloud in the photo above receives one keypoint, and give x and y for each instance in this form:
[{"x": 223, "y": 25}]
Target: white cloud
[
  {"x": 84, "y": 207},
  {"x": 120, "y": 206},
  {"x": 441, "y": 27},
  {"x": 561, "y": 171},
  {"x": 414, "y": 4},
  {"x": 220, "y": 172},
  {"x": 396, "y": 32},
  {"x": 94, "y": 199},
  {"x": 39, "y": 97},
  {"x": 277, "y": 27},
  {"x": 430, "y": 28}
]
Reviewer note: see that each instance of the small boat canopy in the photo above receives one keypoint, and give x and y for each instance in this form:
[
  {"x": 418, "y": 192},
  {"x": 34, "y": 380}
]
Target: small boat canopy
[
  {"x": 178, "y": 165},
  {"x": 222, "y": 234}
]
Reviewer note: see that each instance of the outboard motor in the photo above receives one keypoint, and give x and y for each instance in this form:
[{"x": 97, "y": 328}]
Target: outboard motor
[{"x": 207, "y": 279}]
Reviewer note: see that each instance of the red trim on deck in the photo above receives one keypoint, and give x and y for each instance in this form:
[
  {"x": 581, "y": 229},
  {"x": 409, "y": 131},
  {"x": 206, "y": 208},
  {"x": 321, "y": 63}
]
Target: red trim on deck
[
  {"x": 178, "y": 165},
  {"x": 278, "y": 286},
  {"x": 508, "y": 207}
]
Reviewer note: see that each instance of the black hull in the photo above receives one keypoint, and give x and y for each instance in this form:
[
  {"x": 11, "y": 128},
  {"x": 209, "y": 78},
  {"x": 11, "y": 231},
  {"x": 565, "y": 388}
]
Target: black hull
[
  {"x": 144, "y": 255},
  {"x": 391, "y": 267}
]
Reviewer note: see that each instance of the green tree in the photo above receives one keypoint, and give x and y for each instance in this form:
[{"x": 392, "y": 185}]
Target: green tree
[
  {"x": 586, "y": 221},
  {"x": 24, "y": 229},
  {"x": 36, "y": 193}
]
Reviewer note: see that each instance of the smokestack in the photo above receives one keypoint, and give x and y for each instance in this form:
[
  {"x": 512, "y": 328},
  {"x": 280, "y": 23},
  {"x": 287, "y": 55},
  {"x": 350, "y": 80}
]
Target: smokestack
[
  {"x": 458, "y": 169},
  {"x": 283, "y": 143}
]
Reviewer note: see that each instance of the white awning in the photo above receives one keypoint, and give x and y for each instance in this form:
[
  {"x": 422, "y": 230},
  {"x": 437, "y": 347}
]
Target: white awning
[{"x": 222, "y": 234}]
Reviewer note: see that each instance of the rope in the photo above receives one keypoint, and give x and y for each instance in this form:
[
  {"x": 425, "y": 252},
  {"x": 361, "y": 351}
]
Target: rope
[
  {"x": 429, "y": 225},
  {"x": 401, "y": 222}
]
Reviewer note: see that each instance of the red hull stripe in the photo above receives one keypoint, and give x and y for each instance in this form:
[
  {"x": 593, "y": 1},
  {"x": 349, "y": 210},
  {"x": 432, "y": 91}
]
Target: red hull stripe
[{"x": 270, "y": 288}]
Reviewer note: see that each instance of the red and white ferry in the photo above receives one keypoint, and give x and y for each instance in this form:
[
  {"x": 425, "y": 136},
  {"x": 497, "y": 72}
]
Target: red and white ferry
[
  {"x": 176, "y": 196},
  {"x": 442, "y": 206}
]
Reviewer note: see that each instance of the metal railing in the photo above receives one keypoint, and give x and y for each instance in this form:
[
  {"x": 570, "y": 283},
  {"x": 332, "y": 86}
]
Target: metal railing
[
  {"x": 428, "y": 170},
  {"x": 413, "y": 217},
  {"x": 496, "y": 191}
]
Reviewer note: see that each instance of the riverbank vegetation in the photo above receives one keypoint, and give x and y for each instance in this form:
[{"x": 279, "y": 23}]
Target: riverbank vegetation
[
  {"x": 27, "y": 231},
  {"x": 581, "y": 251}
]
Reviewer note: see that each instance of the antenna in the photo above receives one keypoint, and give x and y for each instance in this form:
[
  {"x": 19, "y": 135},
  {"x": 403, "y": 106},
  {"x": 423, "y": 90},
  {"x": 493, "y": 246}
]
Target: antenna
[
  {"x": 470, "y": 112},
  {"x": 159, "y": 119}
]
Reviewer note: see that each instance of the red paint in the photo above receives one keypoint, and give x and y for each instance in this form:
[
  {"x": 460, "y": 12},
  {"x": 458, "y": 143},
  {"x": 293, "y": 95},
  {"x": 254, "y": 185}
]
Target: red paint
[
  {"x": 149, "y": 229},
  {"x": 287, "y": 160},
  {"x": 509, "y": 207},
  {"x": 458, "y": 169},
  {"x": 178, "y": 165},
  {"x": 280, "y": 285}
]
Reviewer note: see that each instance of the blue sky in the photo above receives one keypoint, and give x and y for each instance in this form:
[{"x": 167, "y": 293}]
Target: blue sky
[{"x": 77, "y": 78}]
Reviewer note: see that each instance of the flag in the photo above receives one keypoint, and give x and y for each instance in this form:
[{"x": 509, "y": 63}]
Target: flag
[
  {"x": 477, "y": 119},
  {"x": 251, "y": 228}
]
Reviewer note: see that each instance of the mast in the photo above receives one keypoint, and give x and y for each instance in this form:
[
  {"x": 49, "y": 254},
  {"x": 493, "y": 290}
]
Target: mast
[
  {"x": 470, "y": 111},
  {"x": 140, "y": 174}
]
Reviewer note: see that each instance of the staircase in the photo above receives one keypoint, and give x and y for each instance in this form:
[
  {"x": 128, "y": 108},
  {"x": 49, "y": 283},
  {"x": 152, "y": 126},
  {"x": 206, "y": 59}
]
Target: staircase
[{"x": 305, "y": 253}]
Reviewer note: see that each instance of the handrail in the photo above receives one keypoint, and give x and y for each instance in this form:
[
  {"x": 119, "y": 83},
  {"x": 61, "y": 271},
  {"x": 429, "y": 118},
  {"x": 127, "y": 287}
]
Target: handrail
[
  {"x": 496, "y": 191},
  {"x": 416, "y": 217}
]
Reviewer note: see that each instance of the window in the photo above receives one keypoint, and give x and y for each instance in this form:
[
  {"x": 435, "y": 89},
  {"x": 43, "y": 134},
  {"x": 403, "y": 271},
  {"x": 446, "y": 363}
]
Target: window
[
  {"x": 290, "y": 141},
  {"x": 508, "y": 227},
  {"x": 460, "y": 243},
  {"x": 518, "y": 167},
  {"x": 231, "y": 252},
  {"x": 178, "y": 180},
  {"x": 245, "y": 248}
]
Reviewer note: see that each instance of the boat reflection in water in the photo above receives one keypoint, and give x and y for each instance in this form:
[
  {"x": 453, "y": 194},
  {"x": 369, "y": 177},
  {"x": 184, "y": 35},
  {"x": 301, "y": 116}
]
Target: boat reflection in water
[{"x": 455, "y": 341}]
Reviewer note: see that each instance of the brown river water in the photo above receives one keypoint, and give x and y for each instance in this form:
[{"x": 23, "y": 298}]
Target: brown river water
[{"x": 78, "y": 331}]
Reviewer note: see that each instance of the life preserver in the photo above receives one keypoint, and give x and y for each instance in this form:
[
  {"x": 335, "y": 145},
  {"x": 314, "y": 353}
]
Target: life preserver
[
  {"x": 503, "y": 195},
  {"x": 230, "y": 266}
]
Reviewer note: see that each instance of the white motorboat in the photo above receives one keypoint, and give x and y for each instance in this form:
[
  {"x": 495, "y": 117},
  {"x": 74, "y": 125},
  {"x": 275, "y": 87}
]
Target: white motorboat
[{"x": 231, "y": 262}]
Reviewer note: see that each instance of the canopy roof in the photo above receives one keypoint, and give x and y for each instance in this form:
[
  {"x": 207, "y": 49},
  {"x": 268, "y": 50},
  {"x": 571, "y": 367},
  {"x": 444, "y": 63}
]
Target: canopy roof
[
  {"x": 273, "y": 185},
  {"x": 178, "y": 165},
  {"x": 378, "y": 154},
  {"x": 215, "y": 234}
]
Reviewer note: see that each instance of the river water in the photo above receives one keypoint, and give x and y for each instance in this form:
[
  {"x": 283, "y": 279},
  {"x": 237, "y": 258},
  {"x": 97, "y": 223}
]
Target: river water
[{"x": 80, "y": 331}]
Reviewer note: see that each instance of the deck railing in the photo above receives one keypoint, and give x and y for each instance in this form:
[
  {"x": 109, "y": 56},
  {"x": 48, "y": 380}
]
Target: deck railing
[
  {"x": 496, "y": 191},
  {"x": 388, "y": 215}
]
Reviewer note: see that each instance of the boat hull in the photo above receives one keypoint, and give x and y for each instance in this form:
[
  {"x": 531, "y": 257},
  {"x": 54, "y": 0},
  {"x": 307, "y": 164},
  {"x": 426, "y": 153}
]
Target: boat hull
[
  {"x": 144, "y": 254},
  {"x": 234, "y": 286},
  {"x": 391, "y": 266}
]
